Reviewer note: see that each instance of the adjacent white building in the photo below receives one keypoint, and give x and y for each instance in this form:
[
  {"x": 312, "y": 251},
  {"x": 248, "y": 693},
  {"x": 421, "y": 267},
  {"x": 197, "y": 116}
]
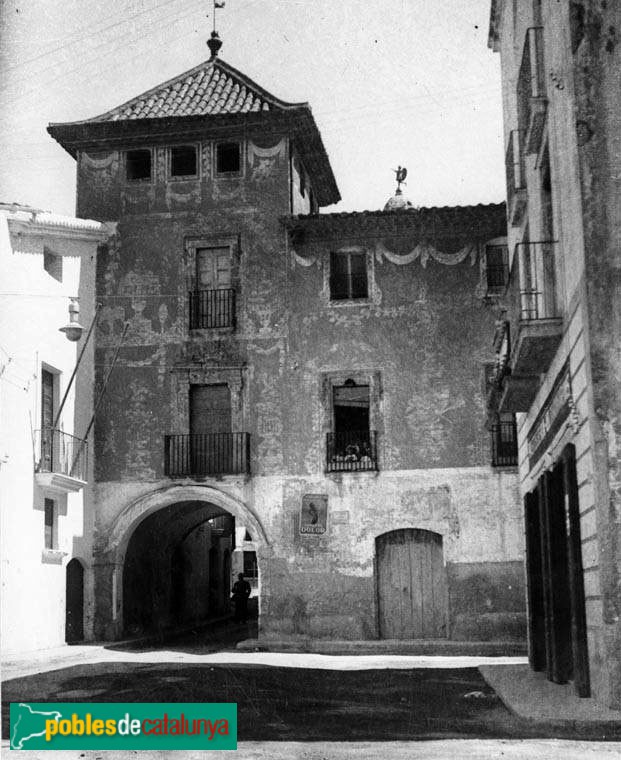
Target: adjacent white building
[{"x": 47, "y": 263}]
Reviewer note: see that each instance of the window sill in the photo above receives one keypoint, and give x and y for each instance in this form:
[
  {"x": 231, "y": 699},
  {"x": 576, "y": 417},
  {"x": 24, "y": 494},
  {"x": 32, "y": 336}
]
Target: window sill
[
  {"x": 52, "y": 556},
  {"x": 350, "y": 302}
]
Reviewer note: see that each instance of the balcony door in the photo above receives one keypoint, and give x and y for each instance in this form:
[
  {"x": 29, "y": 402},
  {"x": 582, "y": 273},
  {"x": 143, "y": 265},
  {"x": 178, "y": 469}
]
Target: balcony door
[
  {"x": 210, "y": 428},
  {"x": 47, "y": 420},
  {"x": 213, "y": 285},
  {"x": 350, "y": 444}
]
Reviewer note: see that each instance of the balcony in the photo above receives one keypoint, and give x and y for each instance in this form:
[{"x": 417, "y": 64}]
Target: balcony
[
  {"x": 352, "y": 451},
  {"x": 504, "y": 444},
  {"x": 200, "y": 455},
  {"x": 63, "y": 463},
  {"x": 531, "y": 94},
  {"x": 212, "y": 308},
  {"x": 539, "y": 326},
  {"x": 516, "y": 179}
]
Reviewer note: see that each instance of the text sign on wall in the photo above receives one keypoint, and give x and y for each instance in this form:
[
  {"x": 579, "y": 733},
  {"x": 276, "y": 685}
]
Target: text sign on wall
[
  {"x": 555, "y": 411},
  {"x": 314, "y": 514}
]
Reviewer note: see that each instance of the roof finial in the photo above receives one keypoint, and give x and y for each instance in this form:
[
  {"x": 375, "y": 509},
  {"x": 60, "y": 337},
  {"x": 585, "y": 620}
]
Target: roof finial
[
  {"x": 401, "y": 173},
  {"x": 215, "y": 43}
]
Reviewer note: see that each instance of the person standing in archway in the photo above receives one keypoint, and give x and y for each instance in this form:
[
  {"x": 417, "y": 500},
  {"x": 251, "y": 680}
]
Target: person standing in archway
[{"x": 241, "y": 592}]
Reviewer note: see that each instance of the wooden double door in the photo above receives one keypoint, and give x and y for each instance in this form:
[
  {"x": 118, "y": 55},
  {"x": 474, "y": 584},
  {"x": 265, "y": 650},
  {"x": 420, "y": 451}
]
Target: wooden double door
[{"x": 411, "y": 585}]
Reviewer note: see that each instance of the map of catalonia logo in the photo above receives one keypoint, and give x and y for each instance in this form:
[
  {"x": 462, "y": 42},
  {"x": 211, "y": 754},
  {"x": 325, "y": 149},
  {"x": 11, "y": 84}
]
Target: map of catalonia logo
[{"x": 127, "y": 725}]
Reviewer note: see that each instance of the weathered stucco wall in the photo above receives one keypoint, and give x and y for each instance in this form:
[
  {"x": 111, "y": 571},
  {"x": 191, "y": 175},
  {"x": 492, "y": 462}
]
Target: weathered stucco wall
[
  {"x": 580, "y": 58},
  {"x": 598, "y": 124}
]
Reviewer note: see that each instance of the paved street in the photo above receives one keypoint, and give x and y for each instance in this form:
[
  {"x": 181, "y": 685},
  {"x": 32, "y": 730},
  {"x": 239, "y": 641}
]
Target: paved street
[{"x": 306, "y": 706}]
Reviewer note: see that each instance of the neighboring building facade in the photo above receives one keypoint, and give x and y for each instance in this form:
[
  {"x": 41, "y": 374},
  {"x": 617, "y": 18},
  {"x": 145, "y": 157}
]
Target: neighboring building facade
[
  {"x": 45, "y": 470},
  {"x": 320, "y": 378},
  {"x": 559, "y": 347}
]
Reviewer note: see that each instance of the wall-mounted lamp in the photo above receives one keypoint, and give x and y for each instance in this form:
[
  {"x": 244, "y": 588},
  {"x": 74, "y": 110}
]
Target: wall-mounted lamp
[{"x": 73, "y": 331}]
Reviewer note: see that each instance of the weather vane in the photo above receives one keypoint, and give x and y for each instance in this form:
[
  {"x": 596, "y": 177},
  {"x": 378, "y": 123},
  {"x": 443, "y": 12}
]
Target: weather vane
[
  {"x": 216, "y": 4},
  {"x": 401, "y": 173},
  {"x": 214, "y": 44}
]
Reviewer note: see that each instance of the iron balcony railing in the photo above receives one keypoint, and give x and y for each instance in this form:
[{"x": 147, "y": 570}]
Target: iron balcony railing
[
  {"x": 202, "y": 454},
  {"x": 354, "y": 451},
  {"x": 531, "y": 82},
  {"x": 504, "y": 444},
  {"x": 537, "y": 280},
  {"x": 514, "y": 165},
  {"x": 61, "y": 453},
  {"x": 212, "y": 308}
]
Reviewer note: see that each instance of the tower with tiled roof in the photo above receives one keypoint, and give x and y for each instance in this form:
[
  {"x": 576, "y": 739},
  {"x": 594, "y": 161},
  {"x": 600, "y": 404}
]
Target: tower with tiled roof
[{"x": 197, "y": 173}]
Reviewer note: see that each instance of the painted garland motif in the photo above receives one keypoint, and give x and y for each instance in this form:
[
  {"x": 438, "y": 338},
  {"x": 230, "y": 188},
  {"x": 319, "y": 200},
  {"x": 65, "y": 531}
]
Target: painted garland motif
[{"x": 423, "y": 251}]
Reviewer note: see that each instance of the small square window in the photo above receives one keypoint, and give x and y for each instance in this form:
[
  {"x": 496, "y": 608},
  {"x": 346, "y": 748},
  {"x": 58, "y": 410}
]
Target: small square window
[
  {"x": 183, "y": 161},
  {"x": 53, "y": 264},
  {"x": 51, "y": 537},
  {"x": 228, "y": 158},
  {"x": 348, "y": 276},
  {"x": 138, "y": 164}
]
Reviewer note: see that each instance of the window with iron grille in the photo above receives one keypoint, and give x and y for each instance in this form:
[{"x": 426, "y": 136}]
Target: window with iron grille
[
  {"x": 496, "y": 266},
  {"x": 348, "y": 276}
]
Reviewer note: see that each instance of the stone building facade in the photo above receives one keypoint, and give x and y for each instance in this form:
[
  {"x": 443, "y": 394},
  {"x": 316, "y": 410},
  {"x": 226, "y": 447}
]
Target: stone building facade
[
  {"x": 318, "y": 377},
  {"x": 47, "y": 262},
  {"x": 559, "y": 341}
]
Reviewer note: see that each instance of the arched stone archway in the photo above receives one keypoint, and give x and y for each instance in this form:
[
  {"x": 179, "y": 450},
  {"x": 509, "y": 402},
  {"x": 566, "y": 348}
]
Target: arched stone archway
[{"x": 189, "y": 506}]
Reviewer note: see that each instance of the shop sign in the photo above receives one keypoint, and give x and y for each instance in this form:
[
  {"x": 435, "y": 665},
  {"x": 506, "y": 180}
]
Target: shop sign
[{"x": 554, "y": 412}]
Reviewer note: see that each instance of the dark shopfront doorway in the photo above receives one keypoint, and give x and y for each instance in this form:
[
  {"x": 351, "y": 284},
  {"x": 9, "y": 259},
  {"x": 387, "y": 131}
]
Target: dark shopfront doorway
[{"x": 557, "y": 618}]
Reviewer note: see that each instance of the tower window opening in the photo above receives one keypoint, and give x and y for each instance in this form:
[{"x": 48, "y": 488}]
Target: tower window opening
[{"x": 228, "y": 158}]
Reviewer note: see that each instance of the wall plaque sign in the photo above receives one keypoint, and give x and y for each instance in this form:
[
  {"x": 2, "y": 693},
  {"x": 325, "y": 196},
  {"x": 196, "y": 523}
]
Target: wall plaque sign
[{"x": 314, "y": 514}]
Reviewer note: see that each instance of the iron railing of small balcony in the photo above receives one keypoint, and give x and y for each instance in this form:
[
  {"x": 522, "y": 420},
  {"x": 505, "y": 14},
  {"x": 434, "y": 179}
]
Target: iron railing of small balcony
[
  {"x": 201, "y": 454},
  {"x": 537, "y": 280},
  {"x": 212, "y": 308},
  {"x": 61, "y": 453},
  {"x": 354, "y": 451},
  {"x": 514, "y": 165},
  {"x": 531, "y": 82},
  {"x": 504, "y": 444}
]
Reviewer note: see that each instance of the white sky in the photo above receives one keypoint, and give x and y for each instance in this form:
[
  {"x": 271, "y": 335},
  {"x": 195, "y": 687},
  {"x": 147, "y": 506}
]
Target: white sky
[{"x": 407, "y": 82}]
